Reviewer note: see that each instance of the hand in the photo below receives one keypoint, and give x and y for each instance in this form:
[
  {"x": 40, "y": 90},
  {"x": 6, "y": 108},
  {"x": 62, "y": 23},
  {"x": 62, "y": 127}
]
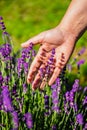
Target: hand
[{"x": 57, "y": 38}]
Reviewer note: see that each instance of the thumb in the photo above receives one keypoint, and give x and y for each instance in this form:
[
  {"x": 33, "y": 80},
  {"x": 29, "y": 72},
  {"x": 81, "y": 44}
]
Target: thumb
[{"x": 35, "y": 40}]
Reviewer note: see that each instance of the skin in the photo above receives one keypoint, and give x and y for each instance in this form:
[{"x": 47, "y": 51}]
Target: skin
[{"x": 63, "y": 38}]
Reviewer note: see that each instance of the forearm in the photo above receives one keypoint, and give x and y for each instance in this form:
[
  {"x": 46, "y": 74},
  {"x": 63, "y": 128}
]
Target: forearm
[{"x": 75, "y": 19}]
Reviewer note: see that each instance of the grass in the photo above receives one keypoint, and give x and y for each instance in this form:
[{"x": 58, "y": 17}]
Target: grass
[{"x": 26, "y": 18}]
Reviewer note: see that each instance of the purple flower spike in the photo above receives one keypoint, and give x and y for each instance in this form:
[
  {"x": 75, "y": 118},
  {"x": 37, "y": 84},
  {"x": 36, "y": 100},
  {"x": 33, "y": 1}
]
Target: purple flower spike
[
  {"x": 69, "y": 67},
  {"x": 54, "y": 86},
  {"x": 85, "y": 101},
  {"x": 54, "y": 127},
  {"x": 24, "y": 88},
  {"x": 79, "y": 119},
  {"x": 81, "y": 51},
  {"x": 85, "y": 127},
  {"x": 46, "y": 100},
  {"x": 53, "y": 51},
  {"x": 54, "y": 94},
  {"x": 6, "y": 99},
  {"x": 80, "y": 62},
  {"x": 1, "y": 78},
  {"x": 28, "y": 119},
  {"x": 5, "y": 33},
  {"x": 85, "y": 89},
  {"x": 1, "y": 102},
  {"x": 1, "y": 18},
  {"x": 3, "y": 27},
  {"x": 6, "y": 50},
  {"x": 15, "y": 119},
  {"x": 46, "y": 104},
  {"x": 67, "y": 96},
  {"x": 75, "y": 86}
]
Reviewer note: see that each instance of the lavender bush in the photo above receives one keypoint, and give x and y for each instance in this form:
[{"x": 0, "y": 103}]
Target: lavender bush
[{"x": 62, "y": 106}]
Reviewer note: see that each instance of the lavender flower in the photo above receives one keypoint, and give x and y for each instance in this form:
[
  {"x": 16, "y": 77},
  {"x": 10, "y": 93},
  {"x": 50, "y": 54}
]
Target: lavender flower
[
  {"x": 14, "y": 89},
  {"x": 67, "y": 96},
  {"x": 41, "y": 73},
  {"x": 54, "y": 86},
  {"x": 80, "y": 62},
  {"x": 19, "y": 66},
  {"x": 24, "y": 88},
  {"x": 55, "y": 95},
  {"x": 54, "y": 127},
  {"x": 25, "y": 60},
  {"x": 1, "y": 102},
  {"x": 46, "y": 103},
  {"x": 66, "y": 106},
  {"x": 1, "y": 18},
  {"x": 85, "y": 89},
  {"x": 25, "y": 68},
  {"x": 69, "y": 66},
  {"x": 81, "y": 51},
  {"x": 75, "y": 107},
  {"x": 75, "y": 86},
  {"x": 6, "y": 50},
  {"x": 6, "y": 99},
  {"x": 85, "y": 127},
  {"x": 15, "y": 119},
  {"x": 28, "y": 119},
  {"x": 47, "y": 71},
  {"x": 1, "y": 78},
  {"x": 50, "y": 62},
  {"x": 79, "y": 119},
  {"x": 71, "y": 98},
  {"x": 85, "y": 101},
  {"x": 2, "y": 24}
]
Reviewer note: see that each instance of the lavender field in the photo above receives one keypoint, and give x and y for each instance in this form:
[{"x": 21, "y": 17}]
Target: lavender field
[{"x": 62, "y": 106}]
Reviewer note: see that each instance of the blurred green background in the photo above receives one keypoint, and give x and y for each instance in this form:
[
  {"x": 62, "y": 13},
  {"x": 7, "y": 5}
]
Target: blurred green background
[{"x": 26, "y": 18}]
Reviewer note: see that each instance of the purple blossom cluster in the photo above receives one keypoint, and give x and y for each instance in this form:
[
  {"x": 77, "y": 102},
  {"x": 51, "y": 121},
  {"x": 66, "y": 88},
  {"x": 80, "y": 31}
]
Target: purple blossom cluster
[
  {"x": 70, "y": 97},
  {"x": 29, "y": 120},
  {"x": 56, "y": 88},
  {"x": 7, "y": 103},
  {"x": 79, "y": 119},
  {"x": 7, "y": 106},
  {"x": 1, "y": 78},
  {"x": 2, "y": 25},
  {"x": 6, "y": 50},
  {"x": 49, "y": 67},
  {"x": 82, "y": 51},
  {"x": 46, "y": 104},
  {"x": 25, "y": 60}
]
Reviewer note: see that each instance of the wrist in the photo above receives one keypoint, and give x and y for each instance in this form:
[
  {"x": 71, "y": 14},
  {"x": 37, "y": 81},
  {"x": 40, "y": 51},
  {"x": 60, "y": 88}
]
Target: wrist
[
  {"x": 75, "y": 27},
  {"x": 75, "y": 19},
  {"x": 67, "y": 34}
]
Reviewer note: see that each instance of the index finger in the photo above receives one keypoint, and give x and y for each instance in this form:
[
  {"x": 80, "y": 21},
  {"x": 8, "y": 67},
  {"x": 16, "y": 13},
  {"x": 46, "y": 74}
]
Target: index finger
[
  {"x": 35, "y": 65},
  {"x": 35, "y": 40}
]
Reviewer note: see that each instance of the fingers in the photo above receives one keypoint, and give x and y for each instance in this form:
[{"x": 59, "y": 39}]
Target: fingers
[
  {"x": 40, "y": 58},
  {"x": 36, "y": 82},
  {"x": 54, "y": 76},
  {"x": 38, "y": 78},
  {"x": 58, "y": 68},
  {"x": 35, "y": 40},
  {"x": 33, "y": 69}
]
